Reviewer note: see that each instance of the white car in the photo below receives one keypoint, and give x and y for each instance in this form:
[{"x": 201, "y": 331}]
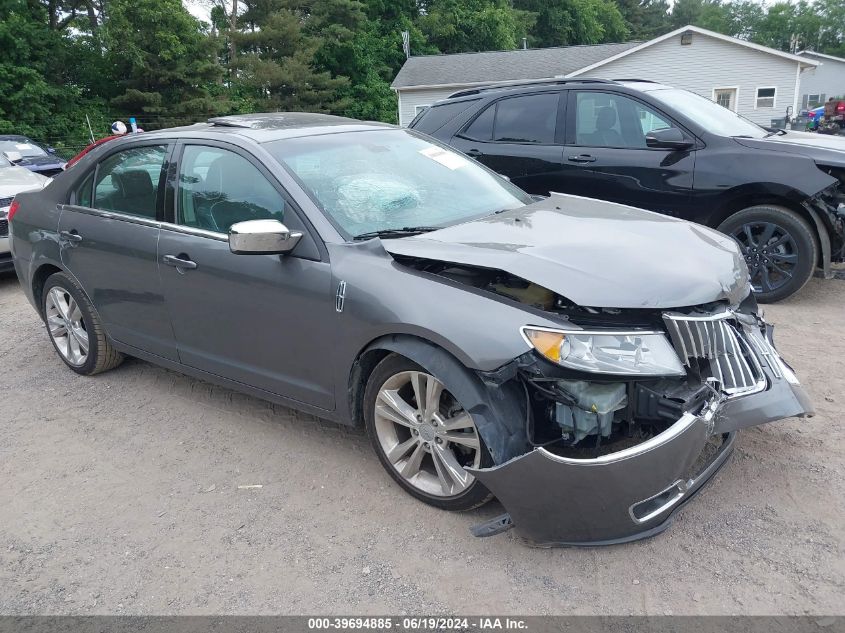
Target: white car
[{"x": 13, "y": 180}]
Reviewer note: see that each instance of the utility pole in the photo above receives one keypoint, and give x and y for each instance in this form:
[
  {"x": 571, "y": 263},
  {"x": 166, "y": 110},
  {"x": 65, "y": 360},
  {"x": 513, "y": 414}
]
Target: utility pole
[{"x": 233, "y": 28}]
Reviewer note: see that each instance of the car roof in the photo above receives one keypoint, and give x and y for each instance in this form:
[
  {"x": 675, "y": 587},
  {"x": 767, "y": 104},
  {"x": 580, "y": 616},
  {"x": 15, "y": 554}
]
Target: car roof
[
  {"x": 264, "y": 127},
  {"x": 13, "y": 137}
]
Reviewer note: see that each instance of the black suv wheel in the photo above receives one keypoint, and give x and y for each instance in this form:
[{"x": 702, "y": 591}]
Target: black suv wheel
[{"x": 779, "y": 247}]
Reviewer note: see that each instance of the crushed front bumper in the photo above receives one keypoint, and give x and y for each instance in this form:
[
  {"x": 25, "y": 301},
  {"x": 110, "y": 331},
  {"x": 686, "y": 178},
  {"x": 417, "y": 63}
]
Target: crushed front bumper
[{"x": 633, "y": 493}]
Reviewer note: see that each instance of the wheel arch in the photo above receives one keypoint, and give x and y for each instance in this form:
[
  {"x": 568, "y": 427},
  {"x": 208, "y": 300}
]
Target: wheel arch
[
  {"x": 39, "y": 279},
  {"x": 497, "y": 412},
  {"x": 787, "y": 199}
]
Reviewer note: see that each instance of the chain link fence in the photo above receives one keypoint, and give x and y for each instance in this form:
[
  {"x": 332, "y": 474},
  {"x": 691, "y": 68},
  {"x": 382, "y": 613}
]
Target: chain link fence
[{"x": 69, "y": 145}]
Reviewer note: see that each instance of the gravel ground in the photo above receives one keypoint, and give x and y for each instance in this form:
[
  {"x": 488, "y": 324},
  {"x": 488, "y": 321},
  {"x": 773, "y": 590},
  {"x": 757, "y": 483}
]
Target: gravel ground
[{"x": 120, "y": 495}]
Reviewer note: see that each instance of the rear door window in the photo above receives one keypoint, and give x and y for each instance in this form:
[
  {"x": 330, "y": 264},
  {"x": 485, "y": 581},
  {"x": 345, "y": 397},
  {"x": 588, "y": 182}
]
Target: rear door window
[
  {"x": 128, "y": 181},
  {"x": 524, "y": 119},
  {"x": 83, "y": 195}
]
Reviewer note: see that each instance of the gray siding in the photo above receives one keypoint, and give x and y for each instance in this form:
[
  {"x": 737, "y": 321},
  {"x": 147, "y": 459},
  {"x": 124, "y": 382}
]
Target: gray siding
[
  {"x": 828, "y": 79},
  {"x": 710, "y": 63},
  {"x": 410, "y": 99}
]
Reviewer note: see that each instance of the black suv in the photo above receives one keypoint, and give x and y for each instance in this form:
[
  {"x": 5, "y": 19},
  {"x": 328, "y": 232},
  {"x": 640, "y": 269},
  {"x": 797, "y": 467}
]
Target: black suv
[{"x": 780, "y": 194}]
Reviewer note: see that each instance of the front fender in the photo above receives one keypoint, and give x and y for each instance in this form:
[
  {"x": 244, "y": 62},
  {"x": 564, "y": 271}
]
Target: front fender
[{"x": 497, "y": 410}]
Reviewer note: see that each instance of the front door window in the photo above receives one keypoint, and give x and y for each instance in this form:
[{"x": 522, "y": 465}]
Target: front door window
[
  {"x": 218, "y": 188},
  {"x": 605, "y": 119}
]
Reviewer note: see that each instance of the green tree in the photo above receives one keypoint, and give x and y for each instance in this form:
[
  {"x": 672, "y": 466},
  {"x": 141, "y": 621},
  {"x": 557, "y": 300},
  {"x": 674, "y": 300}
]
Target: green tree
[
  {"x": 276, "y": 60},
  {"x": 645, "y": 19},
  {"x": 569, "y": 22},
  {"x": 458, "y": 26},
  {"x": 162, "y": 61}
]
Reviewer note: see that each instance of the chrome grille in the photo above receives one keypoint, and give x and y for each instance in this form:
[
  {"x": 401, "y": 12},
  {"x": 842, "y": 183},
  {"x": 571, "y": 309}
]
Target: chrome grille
[
  {"x": 718, "y": 344},
  {"x": 4, "y": 228}
]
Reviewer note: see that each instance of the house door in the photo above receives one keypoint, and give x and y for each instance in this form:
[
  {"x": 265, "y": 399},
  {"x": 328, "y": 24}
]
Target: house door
[{"x": 725, "y": 97}]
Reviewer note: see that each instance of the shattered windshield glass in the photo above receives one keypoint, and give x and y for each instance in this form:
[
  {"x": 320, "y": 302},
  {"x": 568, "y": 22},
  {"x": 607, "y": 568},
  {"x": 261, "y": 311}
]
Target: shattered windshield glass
[{"x": 379, "y": 180}]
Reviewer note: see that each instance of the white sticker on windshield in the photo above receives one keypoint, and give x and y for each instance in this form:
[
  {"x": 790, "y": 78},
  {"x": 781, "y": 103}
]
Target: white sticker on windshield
[
  {"x": 307, "y": 166},
  {"x": 445, "y": 157}
]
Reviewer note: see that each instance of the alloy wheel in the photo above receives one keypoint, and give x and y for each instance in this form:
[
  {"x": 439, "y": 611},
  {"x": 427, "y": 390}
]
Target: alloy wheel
[
  {"x": 67, "y": 326},
  {"x": 427, "y": 437},
  {"x": 770, "y": 253}
]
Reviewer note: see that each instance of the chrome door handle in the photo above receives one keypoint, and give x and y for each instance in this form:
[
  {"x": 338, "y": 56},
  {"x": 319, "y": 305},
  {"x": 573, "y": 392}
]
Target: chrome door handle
[
  {"x": 70, "y": 236},
  {"x": 178, "y": 262},
  {"x": 581, "y": 158}
]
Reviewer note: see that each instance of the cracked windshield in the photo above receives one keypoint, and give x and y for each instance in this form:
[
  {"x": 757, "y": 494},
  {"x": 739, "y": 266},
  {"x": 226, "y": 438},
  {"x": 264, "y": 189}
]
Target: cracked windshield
[{"x": 392, "y": 179}]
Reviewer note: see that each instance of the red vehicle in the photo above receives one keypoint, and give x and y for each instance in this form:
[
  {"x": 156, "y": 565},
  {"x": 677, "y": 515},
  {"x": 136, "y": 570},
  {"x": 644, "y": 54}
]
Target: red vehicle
[
  {"x": 834, "y": 117},
  {"x": 89, "y": 148}
]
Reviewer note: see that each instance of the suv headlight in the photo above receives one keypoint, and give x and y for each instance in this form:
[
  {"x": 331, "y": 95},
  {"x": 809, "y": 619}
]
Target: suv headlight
[{"x": 632, "y": 352}]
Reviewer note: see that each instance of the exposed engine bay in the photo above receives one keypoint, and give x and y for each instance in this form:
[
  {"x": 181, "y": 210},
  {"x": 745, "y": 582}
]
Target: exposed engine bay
[{"x": 571, "y": 413}]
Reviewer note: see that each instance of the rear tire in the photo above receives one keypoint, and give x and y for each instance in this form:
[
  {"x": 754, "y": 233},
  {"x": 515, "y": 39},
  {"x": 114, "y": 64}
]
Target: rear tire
[
  {"x": 75, "y": 328},
  {"x": 424, "y": 445},
  {"x": 779, "y": 247}
]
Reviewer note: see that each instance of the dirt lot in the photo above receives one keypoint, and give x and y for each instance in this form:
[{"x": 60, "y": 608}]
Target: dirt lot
[{"x": 120, "y": 495}]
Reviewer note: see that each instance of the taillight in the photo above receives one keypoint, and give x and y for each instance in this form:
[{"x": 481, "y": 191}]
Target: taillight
[
  {"x": 840, "y": 107},
  {"x": 13, "y": 209}
]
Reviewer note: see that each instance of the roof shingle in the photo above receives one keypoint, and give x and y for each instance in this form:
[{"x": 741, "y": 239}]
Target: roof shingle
[{"x": 471, "y": 68}]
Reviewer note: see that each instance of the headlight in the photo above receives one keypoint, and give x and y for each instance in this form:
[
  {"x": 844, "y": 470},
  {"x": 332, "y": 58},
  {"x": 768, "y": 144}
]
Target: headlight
[{"x": 607, "y": 352}]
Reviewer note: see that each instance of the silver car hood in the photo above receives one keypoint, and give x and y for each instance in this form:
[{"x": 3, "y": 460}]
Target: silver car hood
[
  {"x": 594, "y": 253},
  {"x": 15, "y": 180}
]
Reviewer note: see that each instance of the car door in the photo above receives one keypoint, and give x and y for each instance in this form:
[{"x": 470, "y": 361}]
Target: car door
[
  {"x": 261, "y": 320},
  {"x": 606, "y": 154},
  {"x": 109, "y": 241},
  {"x": 518, "y": 137}
]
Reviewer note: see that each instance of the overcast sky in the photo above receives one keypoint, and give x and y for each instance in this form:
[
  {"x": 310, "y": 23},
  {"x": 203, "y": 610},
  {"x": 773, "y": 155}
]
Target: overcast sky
[{"x": 199, "y": 9}]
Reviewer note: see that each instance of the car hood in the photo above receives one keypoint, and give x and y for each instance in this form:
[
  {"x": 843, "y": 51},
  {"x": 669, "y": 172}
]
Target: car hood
[
  {"x": 823, "y": 148},
  {"x": 14, "y": 180},
  {"x": 38, "y": 161},
  {"x": 594, "y": 253}
]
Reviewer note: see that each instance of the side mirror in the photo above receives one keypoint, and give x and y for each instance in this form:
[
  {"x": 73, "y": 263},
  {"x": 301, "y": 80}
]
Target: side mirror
[
  {"x": 667, "y": 138},
  {"x": 262, "y": 237},
  {"x": 13, "y": 156}
]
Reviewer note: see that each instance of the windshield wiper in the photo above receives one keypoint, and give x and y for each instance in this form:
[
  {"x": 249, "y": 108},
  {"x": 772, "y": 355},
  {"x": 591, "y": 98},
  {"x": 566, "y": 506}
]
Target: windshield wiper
[
  {"x": 775, "y": 132},
  {"x": 396, "y": 232}
]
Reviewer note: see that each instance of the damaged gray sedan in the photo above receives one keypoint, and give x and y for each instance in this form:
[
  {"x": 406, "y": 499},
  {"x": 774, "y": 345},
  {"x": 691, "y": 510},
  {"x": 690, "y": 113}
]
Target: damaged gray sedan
[{"x": 586, "y": 363}]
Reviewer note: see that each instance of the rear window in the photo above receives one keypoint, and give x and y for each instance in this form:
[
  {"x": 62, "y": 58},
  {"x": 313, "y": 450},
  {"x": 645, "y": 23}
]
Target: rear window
[{"x": 432, "y": 119}]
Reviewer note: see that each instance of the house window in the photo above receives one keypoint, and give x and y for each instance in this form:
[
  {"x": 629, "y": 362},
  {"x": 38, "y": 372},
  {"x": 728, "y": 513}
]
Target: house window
[
  {"x": 765, "y": 98},
  {"x": 725, "y": 97},
  {"x": 812, "y": 101}
]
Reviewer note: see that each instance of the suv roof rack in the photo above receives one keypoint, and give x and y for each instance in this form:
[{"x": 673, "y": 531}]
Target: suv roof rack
[
  {"x": 535, "y": 82},
  {"x": 642, "y": 81}
]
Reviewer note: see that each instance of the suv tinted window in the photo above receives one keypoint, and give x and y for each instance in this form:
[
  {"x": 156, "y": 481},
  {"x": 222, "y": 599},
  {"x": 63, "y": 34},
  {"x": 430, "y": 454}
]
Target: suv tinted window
[
  {"x": 127, "y": 181},
  {"x": 432, "y": 119},
  {"x": 610, "y": 120},
  {"x": 218, "y": 188},
  {"x": 528, "y": 119},
  {"x": 482, "y": 128}
]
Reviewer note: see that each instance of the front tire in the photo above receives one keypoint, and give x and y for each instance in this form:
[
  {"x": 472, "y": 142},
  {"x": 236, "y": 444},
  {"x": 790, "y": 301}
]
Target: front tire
[
  {"x": 779, "y": 247},
  {"x": 75, "y": 328},
  {"x": 423, "y": 436}
]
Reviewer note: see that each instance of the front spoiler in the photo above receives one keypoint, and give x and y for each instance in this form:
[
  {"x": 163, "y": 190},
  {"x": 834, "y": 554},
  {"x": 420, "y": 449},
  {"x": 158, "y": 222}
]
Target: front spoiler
[{"x": 632, "y": 494}]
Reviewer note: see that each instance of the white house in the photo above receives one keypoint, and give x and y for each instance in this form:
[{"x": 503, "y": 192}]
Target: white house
[
  {"x": 755, "y": 81},
  {"x": 824, "y": 81}
]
